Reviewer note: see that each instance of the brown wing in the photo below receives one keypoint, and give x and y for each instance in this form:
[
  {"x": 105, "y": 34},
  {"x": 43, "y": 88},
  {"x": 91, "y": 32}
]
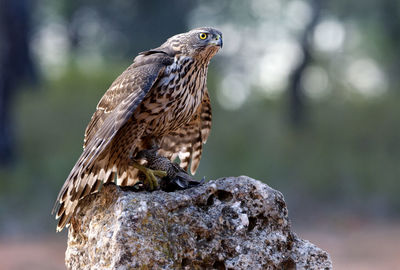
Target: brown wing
[
  {"x": 120, "y": 89},
  {"x": 187, "y": 142},
  {"x": 114, "y": 110}
]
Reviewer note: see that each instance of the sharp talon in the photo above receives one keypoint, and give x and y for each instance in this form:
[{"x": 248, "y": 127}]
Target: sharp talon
[
  {"x": 172, "y": 176},
  {"x": 151, "y": 175}
]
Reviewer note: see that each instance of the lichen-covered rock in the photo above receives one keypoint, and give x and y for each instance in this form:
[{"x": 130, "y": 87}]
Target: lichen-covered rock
[{"x": 230, "y": 223}]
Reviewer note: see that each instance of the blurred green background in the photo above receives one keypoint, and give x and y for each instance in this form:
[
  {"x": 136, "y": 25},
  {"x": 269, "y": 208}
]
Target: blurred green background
[{"x": 305, "y": 97}]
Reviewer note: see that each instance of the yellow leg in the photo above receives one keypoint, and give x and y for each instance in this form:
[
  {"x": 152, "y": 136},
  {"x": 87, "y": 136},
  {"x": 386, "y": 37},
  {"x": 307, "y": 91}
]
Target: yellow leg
[{"x": 150, "y": 174}]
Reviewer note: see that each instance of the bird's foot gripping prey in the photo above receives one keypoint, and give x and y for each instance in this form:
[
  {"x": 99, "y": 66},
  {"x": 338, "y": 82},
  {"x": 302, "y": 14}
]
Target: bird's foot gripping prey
[
  {"x": 150, "y": 174},
  {"x": 162, "y": 97},
  {"x": 172, "y": 176}
]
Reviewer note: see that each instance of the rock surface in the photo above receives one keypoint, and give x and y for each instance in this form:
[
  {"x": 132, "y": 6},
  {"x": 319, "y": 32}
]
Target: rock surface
[{"x": 230, "y": 223}]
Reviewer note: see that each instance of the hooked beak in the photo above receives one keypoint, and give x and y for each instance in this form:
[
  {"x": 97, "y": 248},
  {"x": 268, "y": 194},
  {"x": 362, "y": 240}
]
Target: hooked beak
[{"x": 217, "y": 41}]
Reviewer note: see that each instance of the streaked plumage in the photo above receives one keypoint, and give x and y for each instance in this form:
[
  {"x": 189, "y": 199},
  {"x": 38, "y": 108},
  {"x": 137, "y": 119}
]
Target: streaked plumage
[{"x": 161, "y": 99}]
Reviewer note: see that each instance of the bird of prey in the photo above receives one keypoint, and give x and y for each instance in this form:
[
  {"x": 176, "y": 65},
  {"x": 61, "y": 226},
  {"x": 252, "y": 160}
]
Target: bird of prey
[{"x": 159, "y": 102}]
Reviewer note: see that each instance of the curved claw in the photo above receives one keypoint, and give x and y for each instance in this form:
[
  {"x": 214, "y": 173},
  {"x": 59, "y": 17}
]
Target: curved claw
[
  {"x": 151, "y": 175},
  {"x": 175, "y": 178},
  {"x": 152, "y": 179}
]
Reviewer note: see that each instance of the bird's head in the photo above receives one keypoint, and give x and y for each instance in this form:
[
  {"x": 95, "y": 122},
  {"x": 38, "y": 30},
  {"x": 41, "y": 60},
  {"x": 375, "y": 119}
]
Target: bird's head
[{"x": 202, "y": 42}]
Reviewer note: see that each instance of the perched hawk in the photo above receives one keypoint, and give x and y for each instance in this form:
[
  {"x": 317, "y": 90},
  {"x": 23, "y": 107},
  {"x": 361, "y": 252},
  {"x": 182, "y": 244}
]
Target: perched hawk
[{"x": 160, "y": 102}]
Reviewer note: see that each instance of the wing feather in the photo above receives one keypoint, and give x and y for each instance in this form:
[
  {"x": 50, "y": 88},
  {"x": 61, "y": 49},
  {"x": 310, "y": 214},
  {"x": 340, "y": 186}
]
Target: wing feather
[
  {"x": 147, "y": 62},
  {"x": 113, "y": 111}
]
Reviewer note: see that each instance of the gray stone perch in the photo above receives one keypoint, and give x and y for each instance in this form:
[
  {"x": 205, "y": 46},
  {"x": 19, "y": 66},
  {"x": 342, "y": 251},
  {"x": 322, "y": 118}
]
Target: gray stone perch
[{"x": 229, "y": 223}]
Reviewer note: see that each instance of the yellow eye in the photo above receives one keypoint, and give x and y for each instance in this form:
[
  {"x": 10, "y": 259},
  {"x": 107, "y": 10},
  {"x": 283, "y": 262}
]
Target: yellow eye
[{"x": 203, "y": 36}]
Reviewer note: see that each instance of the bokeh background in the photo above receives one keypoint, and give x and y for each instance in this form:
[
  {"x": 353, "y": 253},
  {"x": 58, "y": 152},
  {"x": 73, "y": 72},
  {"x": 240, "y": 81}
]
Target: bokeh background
[{"x": 305, "y": 97}]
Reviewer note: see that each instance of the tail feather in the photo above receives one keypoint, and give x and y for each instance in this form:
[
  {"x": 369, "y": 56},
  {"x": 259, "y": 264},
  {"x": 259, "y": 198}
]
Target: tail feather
[
  {"x": 79, "y": 185},
  {"x": 80, "y": 182}
]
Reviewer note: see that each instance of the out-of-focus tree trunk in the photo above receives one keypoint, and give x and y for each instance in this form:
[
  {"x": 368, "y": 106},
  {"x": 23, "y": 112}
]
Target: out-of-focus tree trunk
[
  {"x": 390, "y": 13},
  {"x": 295, "y": 91},
  {"x": 15, "y": 66}
]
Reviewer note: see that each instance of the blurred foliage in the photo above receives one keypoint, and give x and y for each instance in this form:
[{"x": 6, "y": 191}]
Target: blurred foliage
[
  {"x": 343, "y": 158},
  {"x": 346, "y": 154}
]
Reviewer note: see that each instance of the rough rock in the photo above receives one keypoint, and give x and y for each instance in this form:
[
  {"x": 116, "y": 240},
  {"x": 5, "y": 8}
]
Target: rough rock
[{"x": 229, "y": 223}]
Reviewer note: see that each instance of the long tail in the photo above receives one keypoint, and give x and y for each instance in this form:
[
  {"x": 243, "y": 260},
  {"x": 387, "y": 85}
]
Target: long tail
[
  {"x": 79, "y": 185},
  {"x": 86, "y": 179}
]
